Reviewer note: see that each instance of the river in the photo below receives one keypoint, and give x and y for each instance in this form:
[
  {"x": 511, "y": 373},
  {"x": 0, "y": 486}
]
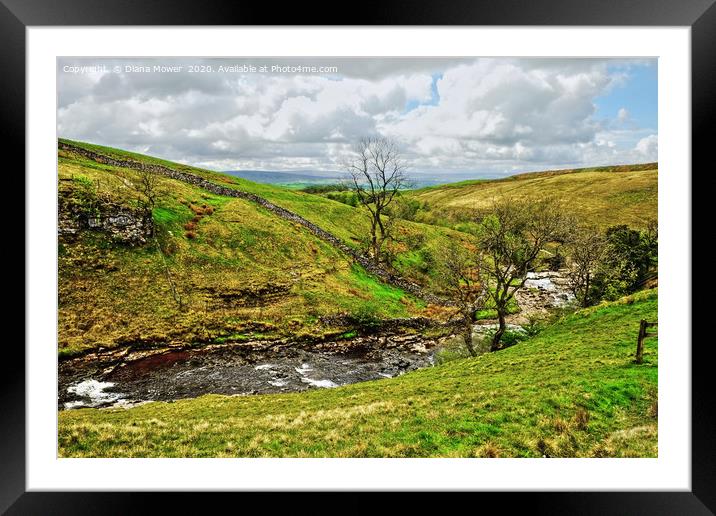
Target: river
[{"x": 124, "y": 380}]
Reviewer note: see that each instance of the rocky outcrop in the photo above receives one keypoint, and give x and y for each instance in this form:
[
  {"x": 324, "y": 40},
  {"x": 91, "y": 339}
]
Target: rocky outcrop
[
  {"x": 365, "y": 261},
  {"x": 253, "y": 295},
  {"x": 542, "y": 292},
  {"x": 124, "y": 224}
]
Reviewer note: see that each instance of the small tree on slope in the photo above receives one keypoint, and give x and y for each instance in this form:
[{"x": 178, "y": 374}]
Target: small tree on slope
[
  {"x": 377, "y": 174},
  {"x": 459, "y": 275},
  {"x": 511, "y": 238},
  {"x": 587, "y": 246}
]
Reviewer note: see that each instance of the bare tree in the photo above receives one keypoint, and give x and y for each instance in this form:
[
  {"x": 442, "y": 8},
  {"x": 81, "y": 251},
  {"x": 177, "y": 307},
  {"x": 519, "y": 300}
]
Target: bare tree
[
  {"x": 587, "y": 247},
  {"x": 512, "y": 236},
  {"x": 459, "y": 275},
  {"x": 148, "y": 187},
  {"x": 377, "y": 174}
]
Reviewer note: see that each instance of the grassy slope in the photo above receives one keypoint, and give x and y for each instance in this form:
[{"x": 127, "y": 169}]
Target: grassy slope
[
  {"x": 609, "y": 195},
  {"x": 346, "y": 222},
  {"x": 524, "y": 401},
  {"x": 111, "y": 294}
]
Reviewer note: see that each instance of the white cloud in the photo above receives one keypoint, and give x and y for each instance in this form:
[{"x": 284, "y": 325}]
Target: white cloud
[
  {"x": 501, "y": 103},
  {"x": 648, "y": 147},
  {"x": 492, "y": 115}
]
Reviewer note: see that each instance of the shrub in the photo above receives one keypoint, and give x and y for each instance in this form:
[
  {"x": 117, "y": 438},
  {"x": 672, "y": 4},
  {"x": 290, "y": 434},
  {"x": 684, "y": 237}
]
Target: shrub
[
  {"x": 190, "y": 235},
  {"x": 366, "y": 317},
  {"x": 534, "y": 326},
  {"x": 427, "y": 261},
  {"x": 454, "y": 349},
  {"x": 83, "y": 181},
  {"x": 509, "y": 338}
]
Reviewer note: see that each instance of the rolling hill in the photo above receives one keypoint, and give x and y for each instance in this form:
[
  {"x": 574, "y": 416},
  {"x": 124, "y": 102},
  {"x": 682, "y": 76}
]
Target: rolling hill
[
  {"x": 287, "y": 179},
  {"x": 219, "y": 268},
  {"x": 625, "y": 194}
]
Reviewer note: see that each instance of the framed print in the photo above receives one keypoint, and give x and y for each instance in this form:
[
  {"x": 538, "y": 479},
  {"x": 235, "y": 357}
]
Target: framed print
[{"x": 419, "y": 252}]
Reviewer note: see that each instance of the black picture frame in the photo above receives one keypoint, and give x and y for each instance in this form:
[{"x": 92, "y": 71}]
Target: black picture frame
[{"x": 700, "y": 15}]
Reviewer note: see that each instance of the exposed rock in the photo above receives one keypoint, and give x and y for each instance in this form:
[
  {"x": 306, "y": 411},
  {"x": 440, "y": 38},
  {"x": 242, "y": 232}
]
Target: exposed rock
[
  {"x": 365, "y": 261},
  {"x": 389, "y": 325},
  {"x": 168, "y": 374},
  {"x": 258, "y": 295},
  {"x": 123, "y": 223},
  {"x": 543, "y": 291},
  {"x": 481, "y": 329}
]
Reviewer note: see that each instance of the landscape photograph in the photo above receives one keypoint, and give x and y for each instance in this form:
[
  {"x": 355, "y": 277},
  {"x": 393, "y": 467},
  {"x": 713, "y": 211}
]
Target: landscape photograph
[{"x": 388, "y": 257}]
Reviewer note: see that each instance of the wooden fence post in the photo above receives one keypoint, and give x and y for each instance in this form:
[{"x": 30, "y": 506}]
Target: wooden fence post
[
  {"x": 643, "y": 325},
  {"x": 640, "y": 342}
]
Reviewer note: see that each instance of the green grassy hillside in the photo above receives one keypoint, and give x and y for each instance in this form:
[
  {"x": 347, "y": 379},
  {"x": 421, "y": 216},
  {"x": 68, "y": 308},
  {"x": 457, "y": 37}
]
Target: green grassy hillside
[
  {"x": 240, "y": 271},
  {"x": 343, "y": 221},
  {"x": 573, "y": 390},
  {"x": 604, "y": 196}
]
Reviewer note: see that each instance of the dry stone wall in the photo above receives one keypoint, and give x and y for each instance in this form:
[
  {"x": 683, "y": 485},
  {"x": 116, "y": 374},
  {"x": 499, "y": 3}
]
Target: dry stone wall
[{"x": 324, "y": 235}]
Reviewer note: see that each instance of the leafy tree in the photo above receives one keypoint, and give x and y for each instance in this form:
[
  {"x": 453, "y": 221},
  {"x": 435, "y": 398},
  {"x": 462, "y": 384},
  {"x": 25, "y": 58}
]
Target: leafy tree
[
  {"x": 512, "y": 236},
  {"x": 459, "y": 275},
  {"x": 630, "y": 257},
  {"x": 404, "y": 208},
  {"x": 587, "y": 248}
]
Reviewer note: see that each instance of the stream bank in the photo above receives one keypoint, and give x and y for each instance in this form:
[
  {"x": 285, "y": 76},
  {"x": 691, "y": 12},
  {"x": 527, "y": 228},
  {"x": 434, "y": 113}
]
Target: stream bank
[{"x": 124, "y": 378}]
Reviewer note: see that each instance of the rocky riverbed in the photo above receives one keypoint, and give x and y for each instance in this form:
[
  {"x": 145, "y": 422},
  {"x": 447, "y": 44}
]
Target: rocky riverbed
[
  {"x": 125, "y": 378},
  {"x": 543, "y": 291}
]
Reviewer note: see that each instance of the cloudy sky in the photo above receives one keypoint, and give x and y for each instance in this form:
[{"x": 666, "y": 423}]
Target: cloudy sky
[{"x": 457, "y": 118}]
